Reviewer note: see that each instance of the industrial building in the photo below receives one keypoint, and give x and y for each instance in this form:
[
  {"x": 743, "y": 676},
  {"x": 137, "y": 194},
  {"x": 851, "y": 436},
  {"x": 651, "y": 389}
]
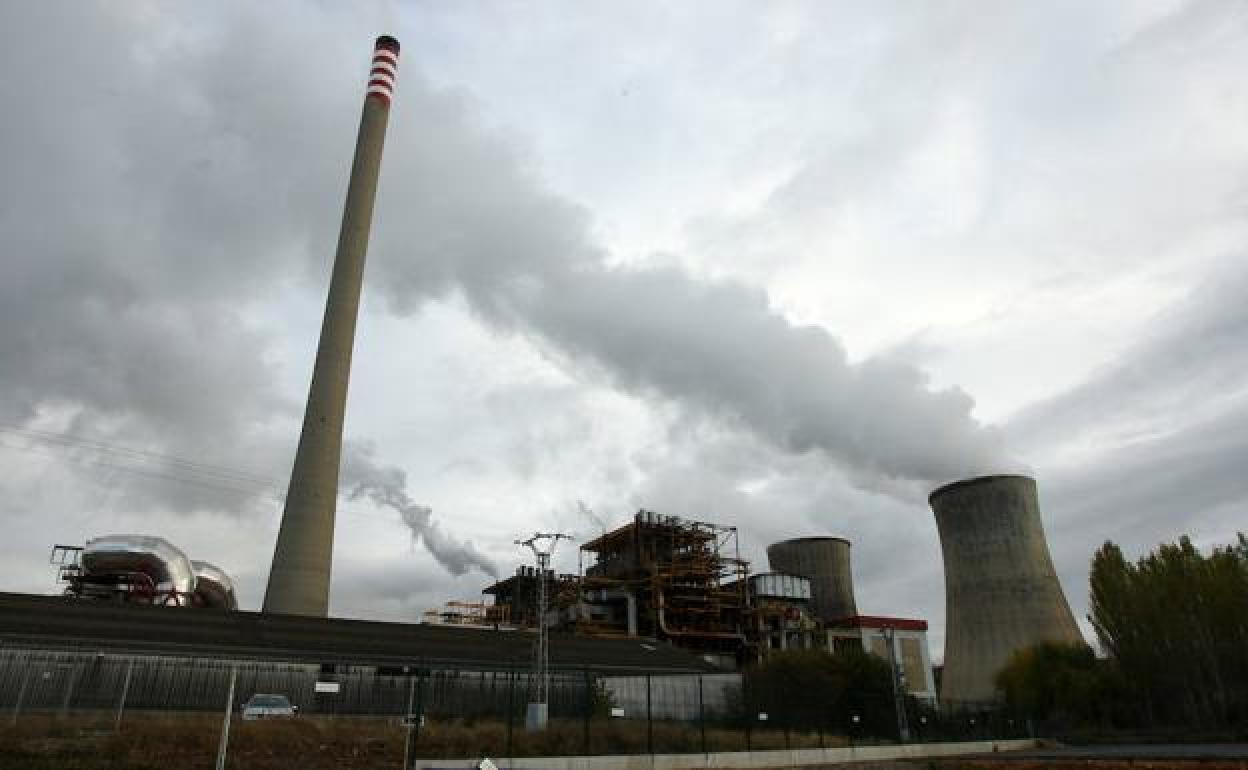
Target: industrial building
[
  {"x": 515, "y": 597},
  {"x": 684, "y": 582},
  {"x": 470, "y": 614},
  {"x": 907, "y": 638},
  {"x": 1001, "y": 592},
  {"x": 669, "y": 579}
]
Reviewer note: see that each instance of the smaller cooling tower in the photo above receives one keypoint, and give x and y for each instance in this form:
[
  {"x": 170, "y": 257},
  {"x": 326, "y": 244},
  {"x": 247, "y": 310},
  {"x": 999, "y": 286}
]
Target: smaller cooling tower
[
  {"x": 1001, "y": 592},
  {"x": 825, "y": 561}
]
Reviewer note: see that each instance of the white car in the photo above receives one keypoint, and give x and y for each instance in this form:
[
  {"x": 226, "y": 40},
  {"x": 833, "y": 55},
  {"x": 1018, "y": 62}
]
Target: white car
[{"x": 266, "y": 706}]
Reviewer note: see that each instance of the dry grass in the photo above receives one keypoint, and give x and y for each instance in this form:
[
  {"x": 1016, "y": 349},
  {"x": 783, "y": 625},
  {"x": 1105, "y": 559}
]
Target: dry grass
[{"x": 152, "y": 741}]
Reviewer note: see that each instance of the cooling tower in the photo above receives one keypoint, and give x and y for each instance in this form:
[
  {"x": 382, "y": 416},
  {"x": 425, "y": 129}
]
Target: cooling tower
[
  {"x": 825, "y": 561},
  {"x": 299, "y": 577},
  {"x": 1001, "y": 593}
]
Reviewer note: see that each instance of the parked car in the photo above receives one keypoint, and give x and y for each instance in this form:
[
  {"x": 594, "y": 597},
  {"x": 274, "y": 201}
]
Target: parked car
[{"x": 268, "y": 706}]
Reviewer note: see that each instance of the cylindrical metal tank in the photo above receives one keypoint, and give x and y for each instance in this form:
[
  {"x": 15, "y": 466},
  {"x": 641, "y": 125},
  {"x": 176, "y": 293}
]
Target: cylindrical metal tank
[
  {"x": 213, "y": 587},
  {"x": 777, "y": 585},
  {"x": 170, "y": 572},
  {"x": 1001, "y": 592},
  {"x": 825, "y": 561}
]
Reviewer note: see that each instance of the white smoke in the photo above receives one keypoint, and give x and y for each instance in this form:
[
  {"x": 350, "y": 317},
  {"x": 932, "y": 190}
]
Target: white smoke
[
  {"x": 526, "y": 262},
  {"x": 386, "y": 486}
]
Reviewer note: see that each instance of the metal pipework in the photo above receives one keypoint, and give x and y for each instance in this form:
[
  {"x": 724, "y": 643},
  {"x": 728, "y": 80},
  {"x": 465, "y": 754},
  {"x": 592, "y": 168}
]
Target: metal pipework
[
  {"x": 170, "y": 572},
  {"x": 1001, "y": 591},
  {"x": 213, "y": 587},
  {"x": 303, "y": 557}
]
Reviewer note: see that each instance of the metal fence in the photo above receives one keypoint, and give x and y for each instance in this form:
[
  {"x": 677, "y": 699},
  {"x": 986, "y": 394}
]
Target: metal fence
[{"x": 68, "y": 709}]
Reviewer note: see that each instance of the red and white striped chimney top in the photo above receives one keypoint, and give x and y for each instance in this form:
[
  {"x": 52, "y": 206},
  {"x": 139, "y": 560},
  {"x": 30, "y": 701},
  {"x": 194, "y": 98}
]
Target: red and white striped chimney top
[{"x": 385, "y": 69}]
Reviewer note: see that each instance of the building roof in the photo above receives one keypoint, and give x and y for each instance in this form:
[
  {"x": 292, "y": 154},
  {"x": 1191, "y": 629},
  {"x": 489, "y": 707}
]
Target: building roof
[
  {"x": 880, "y": 621},
  {"x": 57, "y": 622}
]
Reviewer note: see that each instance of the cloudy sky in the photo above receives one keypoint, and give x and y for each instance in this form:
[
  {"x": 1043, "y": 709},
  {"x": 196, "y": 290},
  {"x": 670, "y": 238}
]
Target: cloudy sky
[{"x": 785, "y": 266}]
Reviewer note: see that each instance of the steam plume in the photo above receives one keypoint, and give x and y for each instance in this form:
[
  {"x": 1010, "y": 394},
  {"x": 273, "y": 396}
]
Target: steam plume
[
  {"x": 526, "y": 262},
  {"x": 387, "y": 486}
]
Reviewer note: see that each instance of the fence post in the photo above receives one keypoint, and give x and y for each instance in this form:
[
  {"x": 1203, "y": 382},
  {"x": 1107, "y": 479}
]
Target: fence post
[
  {"x": 589, "y": 710},
  {"x": 649, "y": 720},
  {"x": 21, "y": 695},
  {"x": 701, "y": 714},
  {"x": 225, "y": 721},
  {"x": 511, "y": 706},
  {"x": 69, "y": 689},
  {"x": 125, "y": 690},
  {"x": 420, "y": 704},
  {"x": 747, "y": 711},
  {"x": 407, "y": 720}
]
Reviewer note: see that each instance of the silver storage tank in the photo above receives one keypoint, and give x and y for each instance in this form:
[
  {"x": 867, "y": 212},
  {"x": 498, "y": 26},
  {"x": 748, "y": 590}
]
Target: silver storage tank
[
  {"x": 777, "y": 585},
  {"x": 164, "y": 564},
  {"x": 213, "y": 587}
]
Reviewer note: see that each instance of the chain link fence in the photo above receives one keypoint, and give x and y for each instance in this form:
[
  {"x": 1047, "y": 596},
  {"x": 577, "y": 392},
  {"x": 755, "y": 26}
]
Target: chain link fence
[{"x": 85, "y": 710}]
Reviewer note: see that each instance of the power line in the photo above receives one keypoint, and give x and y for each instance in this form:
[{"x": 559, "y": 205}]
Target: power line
[
  {"x": 69, "y": 439},
  {"x": 129, "y": 460}
]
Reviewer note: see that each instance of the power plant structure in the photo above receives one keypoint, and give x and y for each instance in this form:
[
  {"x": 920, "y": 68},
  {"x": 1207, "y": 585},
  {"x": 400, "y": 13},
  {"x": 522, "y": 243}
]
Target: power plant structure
[
  {"x": 670, "y": 579},
  {"x": 673, "y": 579},
  {"x": 1001, "y": 591},
  {"x": 302, "y": 559},
  {"x": 141, "y": 569},
  {"x": 825, "y": 562}
]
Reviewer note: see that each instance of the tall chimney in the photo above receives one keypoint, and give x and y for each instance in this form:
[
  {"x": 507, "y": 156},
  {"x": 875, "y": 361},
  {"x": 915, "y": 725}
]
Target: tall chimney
[{"x": 299, "y": 577}]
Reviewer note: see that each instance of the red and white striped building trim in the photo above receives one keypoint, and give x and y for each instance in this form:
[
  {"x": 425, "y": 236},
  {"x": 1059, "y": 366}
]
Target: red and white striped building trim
[{"x": 385, "y": 70}]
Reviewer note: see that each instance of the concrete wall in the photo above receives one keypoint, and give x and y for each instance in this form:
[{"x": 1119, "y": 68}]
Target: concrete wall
[
  {"x": 1001, "y": 592},
  {"x": 779, "y": 758}
]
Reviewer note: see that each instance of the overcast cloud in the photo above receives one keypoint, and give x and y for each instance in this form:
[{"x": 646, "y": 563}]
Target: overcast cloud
[{"x": 784, "y": 266}]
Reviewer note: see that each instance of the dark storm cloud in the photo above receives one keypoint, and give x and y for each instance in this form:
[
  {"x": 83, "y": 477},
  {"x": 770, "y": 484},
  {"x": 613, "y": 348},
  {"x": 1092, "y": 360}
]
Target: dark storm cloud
[
  {"x": 141, "y": 217},
  {"x": 171, "y": 173}
]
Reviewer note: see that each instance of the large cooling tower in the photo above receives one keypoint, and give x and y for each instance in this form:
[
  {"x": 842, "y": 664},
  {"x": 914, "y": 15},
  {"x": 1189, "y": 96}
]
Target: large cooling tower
[
  {"x": 1001, "y": 593},
  {"x": 303, "y": 556},
  {"x": 825, "y": 561}
]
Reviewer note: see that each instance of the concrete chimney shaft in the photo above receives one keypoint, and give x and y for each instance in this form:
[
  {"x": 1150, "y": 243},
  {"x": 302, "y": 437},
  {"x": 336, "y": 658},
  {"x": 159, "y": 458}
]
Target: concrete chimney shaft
[{"x": 302, "y": 559}]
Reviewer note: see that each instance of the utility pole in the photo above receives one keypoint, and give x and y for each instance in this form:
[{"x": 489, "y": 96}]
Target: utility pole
[
  {"x": 537, "y": 710},
  {"x": 899, "y": 685}
]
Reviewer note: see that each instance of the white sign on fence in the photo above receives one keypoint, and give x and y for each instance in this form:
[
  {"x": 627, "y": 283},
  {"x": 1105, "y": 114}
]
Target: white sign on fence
[
  {"x": 616, "y": 711},
  {"x": 327, "y": 687}
]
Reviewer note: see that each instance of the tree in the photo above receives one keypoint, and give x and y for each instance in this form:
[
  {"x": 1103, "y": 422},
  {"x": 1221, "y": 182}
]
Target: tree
[
  {"x": 1060, "y": 683},
  {"x": 1175, "y": 624}
]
